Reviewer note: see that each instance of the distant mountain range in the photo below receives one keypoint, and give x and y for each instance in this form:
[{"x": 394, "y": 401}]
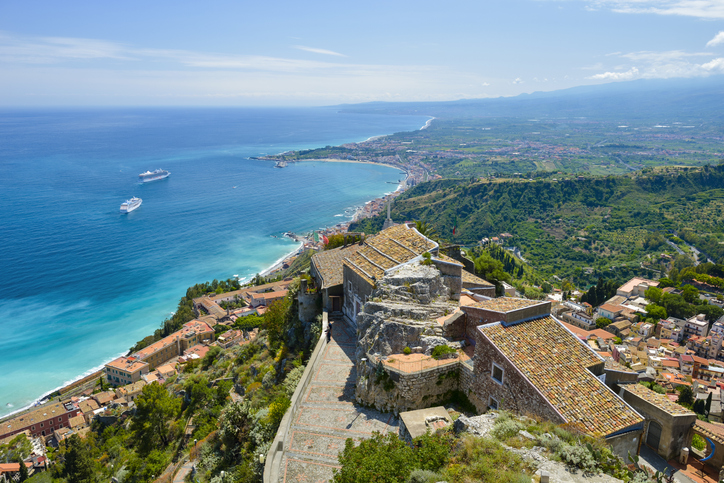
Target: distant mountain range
[{"x": 665, "y": 99}]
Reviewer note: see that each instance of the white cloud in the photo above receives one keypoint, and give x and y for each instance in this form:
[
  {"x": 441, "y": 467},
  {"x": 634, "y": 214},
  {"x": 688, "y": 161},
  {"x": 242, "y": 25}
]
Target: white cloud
[
  {"x": 663, "y": 65},
  {"x": 714, "y": 65},
  {"x": 628, "y": 75},
  {"x": 709, "y": 9},
  {"x": 718, "y": 39},
  {"x": 518, "y": 80},
  {"x": 318, "y": 51}
]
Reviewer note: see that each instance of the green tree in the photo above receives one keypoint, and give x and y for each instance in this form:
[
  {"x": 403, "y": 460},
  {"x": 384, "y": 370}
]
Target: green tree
[
  {"x": 155, "y": 409},
  {"x": 23, "y": 470},
  {"x": 78, "y": 466},
  {"x": 686, "y": 395},
  {"x": 426, "y": 229},
  {"x": 210, "y": 357},
  {"x": 653, "y": 294},
  {"x": 382, "y": 459},
  {"x": 690, "y": 293},
  {"x": 276, "y": 319},
  {"x": 707, "y": 407},
  {"x": 656, "y": 311},
  {"x": 491, "y": 270},
  {"x": 602, "y": 322}
]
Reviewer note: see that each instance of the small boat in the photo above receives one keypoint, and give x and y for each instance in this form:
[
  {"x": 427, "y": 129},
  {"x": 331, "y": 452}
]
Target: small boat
[
  {"x": 281, "y": 164},
  {"x": 130, "y": 205}
]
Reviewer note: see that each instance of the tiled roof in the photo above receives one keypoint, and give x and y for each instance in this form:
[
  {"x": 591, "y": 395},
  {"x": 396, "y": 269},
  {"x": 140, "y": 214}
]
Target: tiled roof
[
  {"x": 328, "y": 264},
  {"x": 611, "y": 308},
  {"x": 128, "y": 364},
  {"x": 506, "y": 304},
  {"x": 388, "y": 249},
  {"x": 714, "y": 431},
  {"x": 470, "y": 278},
  {"x": 659, "y": 400},
  {"x": 612, "y": 365},
  {"x": 556, "y": 363}
]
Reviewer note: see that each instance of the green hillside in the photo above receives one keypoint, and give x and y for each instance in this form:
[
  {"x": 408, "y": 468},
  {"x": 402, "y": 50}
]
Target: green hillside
[{"x": 579, "y": 228}]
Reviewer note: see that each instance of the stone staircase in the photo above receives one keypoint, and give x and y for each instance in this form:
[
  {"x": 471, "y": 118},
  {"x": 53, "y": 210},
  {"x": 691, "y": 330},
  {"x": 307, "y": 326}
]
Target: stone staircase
[{"x": 328, "y": 414}]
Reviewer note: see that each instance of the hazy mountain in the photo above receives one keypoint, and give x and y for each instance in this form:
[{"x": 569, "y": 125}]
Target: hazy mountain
[{"x": 699, "y": 98}]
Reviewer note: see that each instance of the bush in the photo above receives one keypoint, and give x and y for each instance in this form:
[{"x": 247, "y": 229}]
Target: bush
[
  {"x": 442, "y": 350},
  {"x": 698, "y": 442},
  {"x": 507, "y": 428},
  {"x": 407, "y": 351},
  {"x": 423, "y": 476},
  {"x": 577, "y": 456}
]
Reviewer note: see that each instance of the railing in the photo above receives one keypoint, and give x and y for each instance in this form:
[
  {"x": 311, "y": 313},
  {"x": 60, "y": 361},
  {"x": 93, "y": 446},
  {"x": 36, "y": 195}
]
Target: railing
[{"x": 274, "y": 457}]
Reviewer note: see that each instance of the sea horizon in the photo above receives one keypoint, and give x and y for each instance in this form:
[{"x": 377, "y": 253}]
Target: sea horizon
[{"x": 78, "y": 292}]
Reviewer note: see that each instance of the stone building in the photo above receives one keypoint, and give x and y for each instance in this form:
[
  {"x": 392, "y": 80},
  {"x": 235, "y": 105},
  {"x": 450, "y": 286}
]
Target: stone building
[
  {"x": 42, "y": 421},
  {"x": 529, "y": 363},
  {"x": 389, "y": 249},
  {"x": 668, "y": 425},
  {"x": 327, "y": 269}
]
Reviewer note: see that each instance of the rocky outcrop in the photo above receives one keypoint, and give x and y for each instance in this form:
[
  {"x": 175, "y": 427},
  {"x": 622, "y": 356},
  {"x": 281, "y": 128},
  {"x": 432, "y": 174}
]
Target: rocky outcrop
[{"x": 402, "y": 312}]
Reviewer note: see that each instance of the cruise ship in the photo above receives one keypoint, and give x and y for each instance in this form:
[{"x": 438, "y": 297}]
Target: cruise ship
[
  {"x": 130, "y": 205},
  {"x": 153, "y": 175}
]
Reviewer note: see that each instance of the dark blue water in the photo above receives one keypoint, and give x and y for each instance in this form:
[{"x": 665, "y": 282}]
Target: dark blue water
[{"x": 80, "y": 283}]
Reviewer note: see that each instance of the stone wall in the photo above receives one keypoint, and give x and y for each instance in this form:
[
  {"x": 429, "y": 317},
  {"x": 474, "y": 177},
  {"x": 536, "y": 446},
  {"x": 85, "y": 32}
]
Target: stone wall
[
  {"x": 625, "y": 444},
  {"x": 405, "y": 391},
  {"x": 467, "y": 379},
  {"x": 452, "y": 276},
  {"x": 356, "y": 289},
  {"x": 516, "y": 393}
]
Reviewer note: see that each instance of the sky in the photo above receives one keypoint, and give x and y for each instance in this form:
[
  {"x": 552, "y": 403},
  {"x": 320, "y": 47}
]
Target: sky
[{"x": 292, "y": 53}]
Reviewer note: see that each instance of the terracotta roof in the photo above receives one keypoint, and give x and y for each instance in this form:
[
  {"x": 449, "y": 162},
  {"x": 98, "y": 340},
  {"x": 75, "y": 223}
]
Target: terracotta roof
[
  {"x": 714, "y": 431},
  {"x": 89, "y": 405},
  {"x": 104, "y": 398},
  {"x": 42, "y": 413},
  {"x": 670, "y": 363},
  {"x": 328, "y": 264},
  {"x": 612, "y": 365},
  {"x": 127, "y": 364},
  {"x": 470, "y": 278},
  {"x": 76, "y": 421},
  {"x": 556, "y": 363},
  {"x": 659, "y": 400},
  {"x": 506, "y": 304},
  {"x": 388, "y": 249},
  {"x": 611, "y": 308}
]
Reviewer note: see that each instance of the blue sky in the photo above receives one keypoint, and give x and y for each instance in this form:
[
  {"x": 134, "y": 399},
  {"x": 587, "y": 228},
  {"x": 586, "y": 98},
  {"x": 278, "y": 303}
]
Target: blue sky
[{"x": 319, "y": 53}]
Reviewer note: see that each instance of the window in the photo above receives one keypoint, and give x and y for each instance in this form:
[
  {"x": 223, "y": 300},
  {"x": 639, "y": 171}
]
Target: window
[
  {"x": 32, "y": 428},
  {"x": 493, "y": 403},
  {"x": 497, "y": 373},
  {"x": 41, "y": 425},
  {"x": 60, "y": 419}
]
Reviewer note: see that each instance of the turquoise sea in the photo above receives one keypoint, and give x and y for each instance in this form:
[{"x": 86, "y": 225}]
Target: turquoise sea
[{"x": 80, "y": 283}]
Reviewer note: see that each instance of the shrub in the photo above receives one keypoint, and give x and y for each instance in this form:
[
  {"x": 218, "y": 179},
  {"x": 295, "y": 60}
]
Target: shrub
[
  {"x": 482, "y": 459},
  {"x": 577, "y": 456},
  {"x": 424, "y": 476},
  {"x": 698, "y": 442},
  {"x": 292, "y": 380},
  {"x": 407, "y": 351},
  {"x": 507, "y": 428},
  {"x": 442, "y": 350}
]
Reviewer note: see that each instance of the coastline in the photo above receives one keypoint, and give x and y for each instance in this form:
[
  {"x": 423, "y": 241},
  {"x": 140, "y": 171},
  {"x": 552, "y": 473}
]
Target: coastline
[{"x": 95, "y": 371}]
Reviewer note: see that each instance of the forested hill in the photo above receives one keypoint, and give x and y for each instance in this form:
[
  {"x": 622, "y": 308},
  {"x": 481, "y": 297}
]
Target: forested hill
[{"x": 578, "y": 228}]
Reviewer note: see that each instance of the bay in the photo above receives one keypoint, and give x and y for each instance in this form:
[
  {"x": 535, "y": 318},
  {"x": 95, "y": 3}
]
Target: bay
[{"x": 80, "y": 282}]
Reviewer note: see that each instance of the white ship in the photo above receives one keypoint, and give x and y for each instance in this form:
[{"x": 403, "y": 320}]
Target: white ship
[
  {"x": 154, "y": 175},
  {"x": 130, "y": 205}
]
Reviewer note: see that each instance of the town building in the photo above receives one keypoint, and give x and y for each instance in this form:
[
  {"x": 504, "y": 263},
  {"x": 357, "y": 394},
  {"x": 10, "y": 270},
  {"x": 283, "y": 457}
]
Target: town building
[
  {"x": 636, "y": 287},
  {"x": 667, "y": 423},
  {"x": 327, "y": 270},
  {"x": 529, "y": 362},
  {"x": 125, "y": 370},
  {"x": 390, "y": 248},
  {"x": 696, "y": 325},
  {"x": 42, "y": 421}
]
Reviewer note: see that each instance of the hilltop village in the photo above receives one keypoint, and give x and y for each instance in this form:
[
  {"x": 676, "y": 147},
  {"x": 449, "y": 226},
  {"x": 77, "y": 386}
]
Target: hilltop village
[{"x": 406, "y": 328}]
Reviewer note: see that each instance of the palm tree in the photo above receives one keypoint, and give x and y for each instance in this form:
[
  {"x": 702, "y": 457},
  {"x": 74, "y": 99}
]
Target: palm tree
[{"x": 426, "y": 229}]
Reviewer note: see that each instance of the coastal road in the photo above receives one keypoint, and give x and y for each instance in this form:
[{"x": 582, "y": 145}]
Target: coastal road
[{"x": 328, "y": 415}]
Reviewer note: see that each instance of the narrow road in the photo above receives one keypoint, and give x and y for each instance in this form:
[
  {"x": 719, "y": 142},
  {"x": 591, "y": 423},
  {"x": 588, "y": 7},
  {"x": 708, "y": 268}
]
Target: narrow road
[
  {"x": 183, "y": 471},
  {"x": 328, "y": 415}
]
